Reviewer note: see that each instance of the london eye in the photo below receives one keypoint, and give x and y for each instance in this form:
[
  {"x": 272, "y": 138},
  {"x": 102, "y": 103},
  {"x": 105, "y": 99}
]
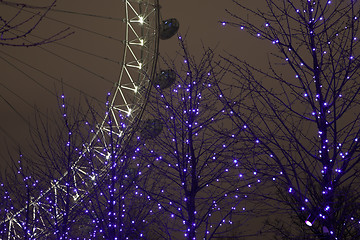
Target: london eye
[{"x": 83, "y": 58}]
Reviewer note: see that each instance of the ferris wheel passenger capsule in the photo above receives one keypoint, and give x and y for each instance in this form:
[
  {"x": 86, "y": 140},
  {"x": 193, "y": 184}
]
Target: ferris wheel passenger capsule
[
  {"x": 165, "y": 78},
  {"x": 168, "y": 28},
  {"x": 151, "y": 128}
]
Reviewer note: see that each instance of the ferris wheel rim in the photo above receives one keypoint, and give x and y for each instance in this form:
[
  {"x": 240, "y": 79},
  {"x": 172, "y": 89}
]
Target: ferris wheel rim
[{"x": 144, "y": 76}]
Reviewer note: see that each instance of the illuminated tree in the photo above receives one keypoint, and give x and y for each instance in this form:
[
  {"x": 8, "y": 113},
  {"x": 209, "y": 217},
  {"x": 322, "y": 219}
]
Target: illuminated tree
[
  {"x": 16, "y": 191},
  {"x": 114, "y": 207},
  {"x": 78, "y": 195},
  {"x": 196, "y": 179},
  {"x": 303, "y": 111},
  {"x": 56, "y": 142}
]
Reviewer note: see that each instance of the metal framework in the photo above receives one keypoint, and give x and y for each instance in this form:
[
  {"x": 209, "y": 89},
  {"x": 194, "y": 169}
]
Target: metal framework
[{"x": 124, "y": 108}]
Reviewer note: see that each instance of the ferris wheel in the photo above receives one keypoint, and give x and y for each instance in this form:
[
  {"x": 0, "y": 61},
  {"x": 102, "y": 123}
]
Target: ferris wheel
[{"x": 138, "y": 46}]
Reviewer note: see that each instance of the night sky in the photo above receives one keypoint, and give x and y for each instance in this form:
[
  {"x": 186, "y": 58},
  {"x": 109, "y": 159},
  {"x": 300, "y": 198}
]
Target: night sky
[{"x": 32, "y": 77}]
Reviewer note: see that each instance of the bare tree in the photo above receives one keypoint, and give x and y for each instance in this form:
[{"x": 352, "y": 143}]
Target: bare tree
[
  {"x": 65, "y": 189},
  {"x": 19, "y": 20},
  {"x": 41, "y": 196},
  {"x": 200, "y": 189},
  {"x": 303, "y": 110},
  {"x": 114, "y": 205},
  {"x": 17, "y": 190}
]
